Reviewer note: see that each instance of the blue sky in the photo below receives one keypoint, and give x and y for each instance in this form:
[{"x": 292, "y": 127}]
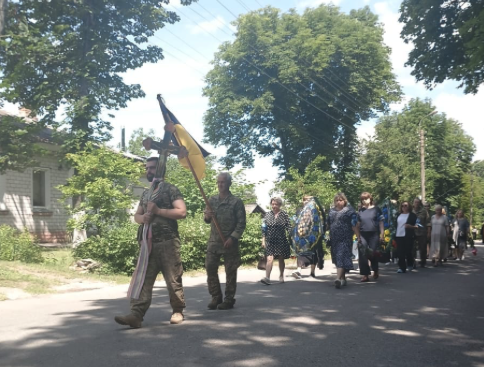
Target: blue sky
[{"x": 190, "y": 44}]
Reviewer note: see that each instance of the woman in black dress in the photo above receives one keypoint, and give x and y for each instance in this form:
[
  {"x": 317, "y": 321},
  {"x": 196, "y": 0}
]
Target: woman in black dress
[
  {"x": 370, "y": 225},
  {"x": 276, "y": 227},
  {"x": 342, "y": 222}
]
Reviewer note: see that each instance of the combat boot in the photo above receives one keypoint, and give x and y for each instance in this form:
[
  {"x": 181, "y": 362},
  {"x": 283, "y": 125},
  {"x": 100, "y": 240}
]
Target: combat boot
[
  {"x": 131, "y": 320},
  {"x": 226, "y": 305},
  {"x": 176, "y": 318},
  {"x": 214, "y": 303}
]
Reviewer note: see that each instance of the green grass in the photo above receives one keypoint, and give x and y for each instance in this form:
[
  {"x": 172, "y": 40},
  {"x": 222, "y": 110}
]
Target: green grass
[{"x": 54, "y": 271}]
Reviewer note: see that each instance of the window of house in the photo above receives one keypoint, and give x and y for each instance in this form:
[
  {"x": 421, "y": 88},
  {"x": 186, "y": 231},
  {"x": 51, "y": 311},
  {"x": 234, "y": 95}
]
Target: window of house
[{"x": 40, "y": 188}]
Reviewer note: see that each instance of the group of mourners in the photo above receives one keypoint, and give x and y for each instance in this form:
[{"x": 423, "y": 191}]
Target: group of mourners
[
  {"x": 159, "y": 213},
  {"x": 415, "y": 230}
]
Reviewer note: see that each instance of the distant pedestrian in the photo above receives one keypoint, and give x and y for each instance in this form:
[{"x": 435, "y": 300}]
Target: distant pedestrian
[
  {"x": 276, "y": 228},
  {"x": 342, "y": 220},
  {"x": 438, "y": 236},
  {"x": 461, "y": 234},
  {"x": 422, "y": 230},
  {"x": 474, "y": 233},
  {"x": 371, "y": 232},
  {"x": 404, "y": 236}
]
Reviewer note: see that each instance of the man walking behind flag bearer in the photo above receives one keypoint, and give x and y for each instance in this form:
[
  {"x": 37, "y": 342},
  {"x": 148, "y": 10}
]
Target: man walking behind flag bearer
[
  {"x": 160, "y": 213},
  {"x": 229, "y": 212}
]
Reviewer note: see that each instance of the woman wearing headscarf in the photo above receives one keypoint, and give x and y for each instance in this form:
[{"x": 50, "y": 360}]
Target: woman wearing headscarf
[
  {"x": 438, "y": 236},
  {"x": 276, "y": 227},
  {"x": 342, "y": 222},
  {"x": 405, "y": 236},
  {"x": 370, "y": 225}
]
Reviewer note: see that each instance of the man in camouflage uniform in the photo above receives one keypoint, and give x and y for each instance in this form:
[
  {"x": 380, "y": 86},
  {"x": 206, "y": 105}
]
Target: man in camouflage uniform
[
  {"x": 162, "y": 211},
  {"x": 229, "y": 211},
  {"x": 422, "y": 230}
]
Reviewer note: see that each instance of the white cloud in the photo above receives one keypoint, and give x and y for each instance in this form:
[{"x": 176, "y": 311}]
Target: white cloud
[
  {"x": 208, "y": 26},
  {"x": 465, "y": 109}
]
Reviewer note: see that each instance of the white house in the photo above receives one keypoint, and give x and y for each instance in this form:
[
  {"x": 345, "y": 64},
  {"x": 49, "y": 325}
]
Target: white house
[{"x": 30, "y": 200}]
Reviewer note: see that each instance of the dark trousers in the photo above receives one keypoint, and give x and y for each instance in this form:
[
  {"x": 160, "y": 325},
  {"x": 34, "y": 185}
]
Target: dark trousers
[
  {"x": 421, "y": 244},
  {"x": 370, "y": 240},
  {"x": 404, "y": 252}
]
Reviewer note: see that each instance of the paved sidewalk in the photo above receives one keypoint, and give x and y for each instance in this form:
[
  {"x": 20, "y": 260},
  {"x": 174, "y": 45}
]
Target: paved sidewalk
[{"x": 430, "y": 317}]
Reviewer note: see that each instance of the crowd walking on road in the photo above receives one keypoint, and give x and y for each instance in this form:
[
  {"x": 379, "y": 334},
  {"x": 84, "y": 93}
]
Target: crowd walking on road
[{"x": 306, "y": 237}]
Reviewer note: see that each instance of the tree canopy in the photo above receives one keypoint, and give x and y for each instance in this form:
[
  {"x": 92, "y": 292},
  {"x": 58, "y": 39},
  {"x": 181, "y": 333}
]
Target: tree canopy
[
  {"x": 448, "y": 41},
  {"x": 295, "y": 86},
  {"x": 390, "y": 165},
  {"x": 68, "y": 57}
]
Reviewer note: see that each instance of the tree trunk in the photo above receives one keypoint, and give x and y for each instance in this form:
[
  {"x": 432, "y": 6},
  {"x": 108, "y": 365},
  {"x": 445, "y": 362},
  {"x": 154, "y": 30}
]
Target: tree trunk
[{"x": 3, "y": 15}]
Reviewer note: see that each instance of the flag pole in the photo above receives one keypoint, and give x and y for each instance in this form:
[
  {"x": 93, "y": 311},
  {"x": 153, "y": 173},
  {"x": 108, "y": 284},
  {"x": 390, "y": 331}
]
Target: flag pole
[{"x": 203, "y": 193}]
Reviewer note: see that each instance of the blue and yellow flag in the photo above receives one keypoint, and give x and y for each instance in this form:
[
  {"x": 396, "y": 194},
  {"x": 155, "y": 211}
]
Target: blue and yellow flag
[{"x": 196, "y": 153}]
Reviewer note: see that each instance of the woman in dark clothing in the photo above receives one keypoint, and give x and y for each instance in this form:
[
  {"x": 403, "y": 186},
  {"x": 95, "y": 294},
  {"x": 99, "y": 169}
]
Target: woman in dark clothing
[
  {"x": 276, "y": 227},
  {"x": 370, "y": 224},
  {"x": 406, "y": 221}
]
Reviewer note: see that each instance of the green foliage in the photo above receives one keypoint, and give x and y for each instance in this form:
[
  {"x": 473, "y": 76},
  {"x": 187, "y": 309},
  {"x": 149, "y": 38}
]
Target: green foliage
[
  {"x": 135, "y": 144},
  {"x": 183, "y": 179},
  {"x": 448, "y": 41},
  {"x": 257, "y": 86},
  {"x": 103, "y": 180},
  {"x": 17, "y": 141},
  {"x": 390, "y": 166},
  {"x": 70, "y": 55},
  {"x": 117, "y": 249},
  {"x": 16, "y": 245},
  {"x": 314, "y": 181}
]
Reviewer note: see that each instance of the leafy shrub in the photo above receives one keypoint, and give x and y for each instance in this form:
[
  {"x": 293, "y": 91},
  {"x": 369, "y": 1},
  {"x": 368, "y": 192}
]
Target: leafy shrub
[
  {"x": 118, "y": 249},
  {"x": 16, "y": 245}
]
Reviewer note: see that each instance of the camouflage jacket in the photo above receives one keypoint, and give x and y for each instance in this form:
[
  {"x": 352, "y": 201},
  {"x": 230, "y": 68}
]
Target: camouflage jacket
[
  {"x": 230, "y": 215},
  {"x": 423, "y": 218},
  {"x": 163, "y": 229}
]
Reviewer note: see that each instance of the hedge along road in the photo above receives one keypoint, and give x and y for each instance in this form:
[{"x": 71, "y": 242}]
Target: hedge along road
[{"x": 430, "y": 317}]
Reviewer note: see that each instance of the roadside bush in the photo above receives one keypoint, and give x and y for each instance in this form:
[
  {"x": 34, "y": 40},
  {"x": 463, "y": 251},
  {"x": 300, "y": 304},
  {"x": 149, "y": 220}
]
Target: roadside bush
[
  {"x": 117, "y": 250},
  {"x": 16, "y": 245},
  {"x": 194, "y": 234}
]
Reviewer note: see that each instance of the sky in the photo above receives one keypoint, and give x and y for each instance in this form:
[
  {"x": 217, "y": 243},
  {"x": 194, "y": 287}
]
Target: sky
[{"x": 190, "y": 44}]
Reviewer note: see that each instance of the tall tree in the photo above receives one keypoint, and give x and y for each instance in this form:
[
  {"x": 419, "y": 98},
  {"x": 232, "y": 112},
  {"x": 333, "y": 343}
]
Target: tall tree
[
  {"x": 135, "y": 143},
  {"x": 67, "y": 56},
  {"x": 295, "y": 86},
  {"x": 390, "y": 165},
  {"x": 448, "y": 40},
  {"x": 313, "y": 181}
]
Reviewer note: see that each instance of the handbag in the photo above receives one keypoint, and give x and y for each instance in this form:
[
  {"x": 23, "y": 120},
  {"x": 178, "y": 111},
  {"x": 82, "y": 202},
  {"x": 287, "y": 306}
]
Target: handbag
[{"x": 261, "y": 265}]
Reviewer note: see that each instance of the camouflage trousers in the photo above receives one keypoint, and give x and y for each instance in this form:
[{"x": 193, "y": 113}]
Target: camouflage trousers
[
  {"x": 164, "y": 257},
  {"x": 232, "y": 263}
]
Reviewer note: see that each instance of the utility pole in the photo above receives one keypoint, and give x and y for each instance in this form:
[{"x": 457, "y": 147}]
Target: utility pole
[
  {"x": 422, "y": 164},
  {"x": 472, "y": 194},
  {"x": 422, "y": 155}
]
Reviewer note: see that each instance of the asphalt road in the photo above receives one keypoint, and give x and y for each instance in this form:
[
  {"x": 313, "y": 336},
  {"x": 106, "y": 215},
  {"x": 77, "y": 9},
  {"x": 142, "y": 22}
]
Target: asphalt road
[{"x": 431, "y": 317}]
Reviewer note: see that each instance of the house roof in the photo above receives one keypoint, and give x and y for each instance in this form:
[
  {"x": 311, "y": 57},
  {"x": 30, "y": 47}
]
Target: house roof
[
  {"x": 254, "y": 208},
  {"x": 44, "y": 135}
]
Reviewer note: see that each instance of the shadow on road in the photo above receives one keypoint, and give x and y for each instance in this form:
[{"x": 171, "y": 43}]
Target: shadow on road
[{"x": 431, "y": 317}]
